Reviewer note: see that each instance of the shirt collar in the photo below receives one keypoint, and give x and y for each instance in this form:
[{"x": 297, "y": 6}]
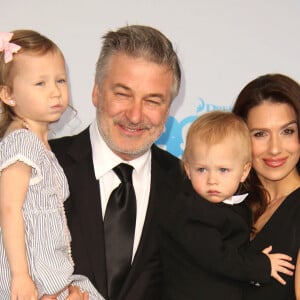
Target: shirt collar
[{"x": 235, "y": 199}]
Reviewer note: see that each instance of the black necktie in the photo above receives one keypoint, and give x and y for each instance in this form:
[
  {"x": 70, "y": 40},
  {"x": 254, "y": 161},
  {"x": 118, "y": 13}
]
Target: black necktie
[{"x": 119, "y": 226}]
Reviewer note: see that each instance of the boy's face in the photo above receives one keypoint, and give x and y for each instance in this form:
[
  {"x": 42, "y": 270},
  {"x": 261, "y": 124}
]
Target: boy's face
[{"x": 216, "y": 170}]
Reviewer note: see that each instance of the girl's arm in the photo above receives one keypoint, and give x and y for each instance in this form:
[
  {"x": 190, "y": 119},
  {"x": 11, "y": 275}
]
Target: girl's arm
[
  {"x": 14, "y": 182},
  {"x": 297, "y": 277}
]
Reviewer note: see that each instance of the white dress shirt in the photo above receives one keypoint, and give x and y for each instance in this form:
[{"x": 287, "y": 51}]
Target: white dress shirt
[{"x": 104, "y": 161}]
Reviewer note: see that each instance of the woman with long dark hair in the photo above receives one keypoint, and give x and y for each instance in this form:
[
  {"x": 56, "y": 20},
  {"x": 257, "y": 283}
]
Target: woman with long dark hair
[{"x": 270, "y": 105}]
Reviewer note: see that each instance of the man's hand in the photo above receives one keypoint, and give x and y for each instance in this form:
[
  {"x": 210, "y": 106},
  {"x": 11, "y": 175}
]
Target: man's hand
[{"x": 74, "y": 294}]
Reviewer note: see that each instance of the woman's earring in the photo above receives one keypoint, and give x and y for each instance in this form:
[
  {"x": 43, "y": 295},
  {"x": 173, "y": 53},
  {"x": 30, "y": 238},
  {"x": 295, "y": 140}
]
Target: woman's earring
[{"x": 12, "y": 102}]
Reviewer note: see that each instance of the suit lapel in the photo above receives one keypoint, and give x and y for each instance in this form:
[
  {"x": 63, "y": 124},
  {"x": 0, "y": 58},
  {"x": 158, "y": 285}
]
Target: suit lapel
[{"x": 86, "y": 198}]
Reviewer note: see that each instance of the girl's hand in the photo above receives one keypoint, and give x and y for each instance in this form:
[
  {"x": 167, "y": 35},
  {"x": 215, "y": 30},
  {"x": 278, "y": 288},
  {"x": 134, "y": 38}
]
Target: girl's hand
[
  {"x": 280, "y": 263},
  {"x": 22, "y": 287}
]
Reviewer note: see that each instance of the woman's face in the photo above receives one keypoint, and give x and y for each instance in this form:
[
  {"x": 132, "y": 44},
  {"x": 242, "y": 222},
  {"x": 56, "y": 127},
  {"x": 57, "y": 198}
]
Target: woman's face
[{"x": 275, "y": 141}]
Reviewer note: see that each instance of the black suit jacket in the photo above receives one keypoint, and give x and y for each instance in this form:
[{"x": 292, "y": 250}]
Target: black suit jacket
[
  {"x": 203, "y": 249},
  {"x": 84, "y": 215}
]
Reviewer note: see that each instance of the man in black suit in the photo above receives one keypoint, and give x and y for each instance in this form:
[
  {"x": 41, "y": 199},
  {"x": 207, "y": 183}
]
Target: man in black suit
[{"x": 137, "y": 77}]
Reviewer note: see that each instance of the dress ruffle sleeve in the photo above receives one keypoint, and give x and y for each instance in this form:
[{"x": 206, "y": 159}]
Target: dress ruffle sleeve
[{"x": 22, "y": 145}]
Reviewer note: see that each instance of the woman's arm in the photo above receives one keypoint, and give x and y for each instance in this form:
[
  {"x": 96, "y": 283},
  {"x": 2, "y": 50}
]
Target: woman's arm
[
  {"x": 297, "y": 277},
  {"x": 14, "y": 182}
]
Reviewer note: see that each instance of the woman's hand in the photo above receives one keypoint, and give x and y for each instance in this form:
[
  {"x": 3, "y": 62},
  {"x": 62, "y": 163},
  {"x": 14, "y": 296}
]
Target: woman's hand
[
  {"x": 297, "y": 277},
  {"x": 280, "y": 263}
]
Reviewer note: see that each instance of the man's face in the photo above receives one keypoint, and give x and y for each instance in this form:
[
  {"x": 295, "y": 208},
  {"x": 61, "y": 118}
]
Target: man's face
[{"x": 132, "y": 104}]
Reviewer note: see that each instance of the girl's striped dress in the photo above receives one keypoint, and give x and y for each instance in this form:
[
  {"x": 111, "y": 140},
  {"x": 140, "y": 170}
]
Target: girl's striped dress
[{"x": 46, "y": 233}]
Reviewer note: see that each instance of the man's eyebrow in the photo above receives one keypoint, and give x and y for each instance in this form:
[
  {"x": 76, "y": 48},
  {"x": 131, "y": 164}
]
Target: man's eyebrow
[{"x": 120, "y": 85}]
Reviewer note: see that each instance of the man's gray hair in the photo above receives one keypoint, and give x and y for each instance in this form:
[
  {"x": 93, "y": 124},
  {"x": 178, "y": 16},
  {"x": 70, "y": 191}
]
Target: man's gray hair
[{"x": 139, "y": 41}]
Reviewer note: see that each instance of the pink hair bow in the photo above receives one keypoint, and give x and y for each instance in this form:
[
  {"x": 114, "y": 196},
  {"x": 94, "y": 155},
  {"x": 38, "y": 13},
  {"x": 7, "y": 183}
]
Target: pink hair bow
[{"x": 7, "y": 47}]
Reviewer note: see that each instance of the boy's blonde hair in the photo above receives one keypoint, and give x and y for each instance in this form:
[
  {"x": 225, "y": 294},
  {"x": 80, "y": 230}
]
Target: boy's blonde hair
[{"x": 212, "y": 127}]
